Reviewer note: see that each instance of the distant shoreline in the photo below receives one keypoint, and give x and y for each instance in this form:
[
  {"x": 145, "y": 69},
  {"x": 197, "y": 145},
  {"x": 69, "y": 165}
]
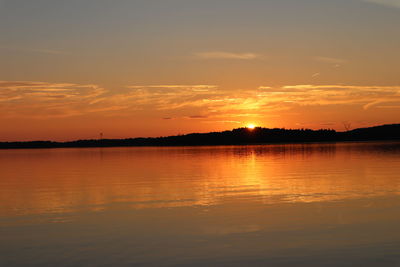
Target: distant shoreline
[
  {"x": 240, "y": 136},
  {"x": 209, "y": 145}
]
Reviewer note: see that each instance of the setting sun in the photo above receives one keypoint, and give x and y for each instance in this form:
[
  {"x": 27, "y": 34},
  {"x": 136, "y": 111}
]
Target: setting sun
[{"x": 250, "y": 126}]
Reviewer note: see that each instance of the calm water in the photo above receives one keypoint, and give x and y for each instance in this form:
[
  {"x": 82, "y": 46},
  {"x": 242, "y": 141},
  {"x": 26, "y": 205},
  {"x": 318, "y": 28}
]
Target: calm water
[{"x": 281, "y": 205}]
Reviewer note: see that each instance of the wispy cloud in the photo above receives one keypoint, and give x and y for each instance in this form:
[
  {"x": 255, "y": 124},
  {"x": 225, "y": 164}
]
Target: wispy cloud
[
  {"x": 365, "y": 96},
  {"x": 341, "y": 86},
  {"x": 226, "y": 55},
  {"x": 199, "y": 88},
  {"x": 198, "y": 117},
  {"x": 330, "y": 60},
  {"x": 196, "y": 102},
  {"x": 42, "y": 99}
]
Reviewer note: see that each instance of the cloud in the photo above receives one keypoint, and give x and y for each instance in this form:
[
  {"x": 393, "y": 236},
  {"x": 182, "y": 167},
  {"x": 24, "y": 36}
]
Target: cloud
[
  {"x": 227, "y": 55},
  {"x": 365, "y": 96},
  {"x": 42, "y": 99},
  {"x": 201, "y": 102},
  {"x": 223, "y": 121},
  {"x": 210, "y": 101},
  {"x": 205, "y": 101},
  {"x": 164, "y": 97},
  {"x": 198, "y": 117},
  {"x": 389, "y": 3},
  {"x": 330, "y": 60},
  {"x": 198, "y": 88},
  {"x": 341, "y": 86},
  {"x": 49, "y": 100}
]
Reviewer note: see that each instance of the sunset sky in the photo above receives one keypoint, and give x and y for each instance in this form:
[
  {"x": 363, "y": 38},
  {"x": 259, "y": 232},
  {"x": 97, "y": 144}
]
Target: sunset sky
[{"x": 71, "y": 69}]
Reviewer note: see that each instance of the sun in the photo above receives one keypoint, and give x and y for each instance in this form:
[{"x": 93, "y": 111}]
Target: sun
[{"x": 250, "y": 126}]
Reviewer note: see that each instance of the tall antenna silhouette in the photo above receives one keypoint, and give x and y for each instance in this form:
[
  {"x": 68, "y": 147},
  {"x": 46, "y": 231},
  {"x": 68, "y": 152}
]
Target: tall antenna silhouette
[
  {"x": 347, "y": 125},
  {"x": 101, "y": 136}
]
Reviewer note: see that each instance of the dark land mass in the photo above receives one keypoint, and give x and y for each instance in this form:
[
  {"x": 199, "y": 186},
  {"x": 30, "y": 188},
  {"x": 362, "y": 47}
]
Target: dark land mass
[{"x": 240, "y": 136}]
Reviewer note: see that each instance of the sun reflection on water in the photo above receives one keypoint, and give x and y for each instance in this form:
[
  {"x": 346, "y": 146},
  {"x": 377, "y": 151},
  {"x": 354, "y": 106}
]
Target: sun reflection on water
[{"x": 60, "y": 181}]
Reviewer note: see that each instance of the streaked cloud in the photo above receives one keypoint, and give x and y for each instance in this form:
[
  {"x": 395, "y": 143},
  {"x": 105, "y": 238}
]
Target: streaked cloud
[
  {"x": 226, "y": 55},
  {"x": 196, "y": 102},
  {"x": 340, "y": 86},
  {"x": 212, "y": 102},
  {"x": 364, "y": 96},
  {"x": 199, "y": 88},
  {"x": 198, "y": 117},
  {"x": 42, "y": 99},
  {"x": 330, "y": 60}
]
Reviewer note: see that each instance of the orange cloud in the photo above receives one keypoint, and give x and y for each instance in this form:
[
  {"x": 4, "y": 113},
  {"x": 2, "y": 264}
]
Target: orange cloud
[
  {"x": 366, "y": 96},
  {"x": 330, "y": 60},
  {"x": 227, "y": 55},
  {"x": 42, "y": 100}
]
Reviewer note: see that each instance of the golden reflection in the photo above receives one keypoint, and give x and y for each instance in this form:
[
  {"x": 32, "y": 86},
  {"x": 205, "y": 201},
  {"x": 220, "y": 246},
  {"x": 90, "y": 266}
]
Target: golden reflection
[{"x": 69, "y": 180}]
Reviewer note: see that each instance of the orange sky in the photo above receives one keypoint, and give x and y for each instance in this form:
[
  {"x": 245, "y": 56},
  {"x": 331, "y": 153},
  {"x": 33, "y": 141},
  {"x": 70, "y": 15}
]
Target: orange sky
[
  {"x": 33, "y": 110},
  {"x": 156, "y": 68}
]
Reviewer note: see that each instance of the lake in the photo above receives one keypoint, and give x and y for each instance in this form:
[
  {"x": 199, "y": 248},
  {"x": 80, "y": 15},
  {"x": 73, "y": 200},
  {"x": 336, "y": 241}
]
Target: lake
[{"x": 271, "y": 205}]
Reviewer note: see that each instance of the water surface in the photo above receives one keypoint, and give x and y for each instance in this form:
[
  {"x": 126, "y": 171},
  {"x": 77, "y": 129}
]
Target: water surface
[{"x": 277, "y": 205}]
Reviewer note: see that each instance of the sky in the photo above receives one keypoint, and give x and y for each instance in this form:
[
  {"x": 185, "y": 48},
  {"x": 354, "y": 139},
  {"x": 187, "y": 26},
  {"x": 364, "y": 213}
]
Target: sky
[{"x": 74, "y": 69}]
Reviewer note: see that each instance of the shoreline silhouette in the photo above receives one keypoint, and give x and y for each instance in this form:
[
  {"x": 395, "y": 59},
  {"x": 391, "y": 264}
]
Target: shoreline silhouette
[{"x": 239, "y": 136}]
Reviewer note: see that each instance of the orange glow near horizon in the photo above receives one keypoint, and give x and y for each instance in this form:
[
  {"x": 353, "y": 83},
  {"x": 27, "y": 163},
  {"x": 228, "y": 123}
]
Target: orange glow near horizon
[
  {"x": 60, "y": 112},
  {"x": 251, "y": 126}
]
